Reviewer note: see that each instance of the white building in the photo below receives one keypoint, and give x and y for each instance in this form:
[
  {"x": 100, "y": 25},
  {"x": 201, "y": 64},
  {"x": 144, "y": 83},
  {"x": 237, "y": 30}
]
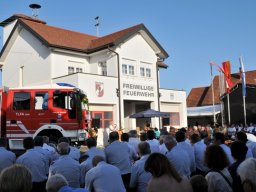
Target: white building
[{"x": 119, "y": 72}]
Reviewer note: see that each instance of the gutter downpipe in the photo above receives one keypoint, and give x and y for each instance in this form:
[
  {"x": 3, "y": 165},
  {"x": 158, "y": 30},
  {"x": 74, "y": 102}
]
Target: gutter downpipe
[
  {"x": 158, "y": 94},
  {"x": 118, "y": 86}
]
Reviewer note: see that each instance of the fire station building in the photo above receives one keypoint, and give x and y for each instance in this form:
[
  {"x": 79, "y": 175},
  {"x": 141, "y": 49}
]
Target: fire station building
[{"x": 119, "y": 72}]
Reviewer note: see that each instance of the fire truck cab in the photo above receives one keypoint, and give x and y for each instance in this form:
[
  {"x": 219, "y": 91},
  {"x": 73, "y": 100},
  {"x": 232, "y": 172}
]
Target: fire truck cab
[{"x": 54, "y": 111}]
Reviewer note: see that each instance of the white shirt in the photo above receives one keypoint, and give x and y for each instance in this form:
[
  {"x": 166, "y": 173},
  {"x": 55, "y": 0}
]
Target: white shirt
[
  {"x": 104, "y": 178},
  {"x": 228, "y": 153},
  {"x": 163, "y": 149},
  {"x": 217, "y": 183},
  {"x": 180, "y": 160},
  {"x": 190, "y": 151},
  {"x": 199, "y": 149},
  {"x": 118, "y": 154},
  {"x": 154, "y": 145},
  {"x": 134, "y": 142},
  {"x": 139, "y": 177}
]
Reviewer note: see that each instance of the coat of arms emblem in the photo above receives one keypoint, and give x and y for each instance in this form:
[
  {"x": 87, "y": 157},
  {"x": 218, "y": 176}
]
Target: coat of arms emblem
[{"x": 99, "y": 89}]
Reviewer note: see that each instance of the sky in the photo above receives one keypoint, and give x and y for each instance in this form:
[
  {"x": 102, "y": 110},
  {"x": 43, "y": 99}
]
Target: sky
[{"x": 193, "y": 32}]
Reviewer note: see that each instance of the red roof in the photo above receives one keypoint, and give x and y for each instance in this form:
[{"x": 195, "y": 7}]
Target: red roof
[
  {"x": 71, "y": 40},
  {"x": 202, "y": 96},
  {"x": 58, "y": 37}
]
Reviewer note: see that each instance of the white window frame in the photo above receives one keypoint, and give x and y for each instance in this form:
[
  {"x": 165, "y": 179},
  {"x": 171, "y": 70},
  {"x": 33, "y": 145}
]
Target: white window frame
[
  {"x": 124, "y": 69},
  {"x": 142, "y": 71},
  {"x": 102, "y": 66},
  {"x": 71, "y": 70},
  {"x": 131, "y": 69},
  {"x": 79, "y": 69},
  {"x": 148, "y": 72}
]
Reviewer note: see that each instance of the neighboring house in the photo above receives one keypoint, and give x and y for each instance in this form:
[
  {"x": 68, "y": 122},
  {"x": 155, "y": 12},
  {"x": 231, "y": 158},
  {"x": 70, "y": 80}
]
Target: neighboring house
[
  {"x": 200, "y": 101},
  {"x": 119, "y": 72}
]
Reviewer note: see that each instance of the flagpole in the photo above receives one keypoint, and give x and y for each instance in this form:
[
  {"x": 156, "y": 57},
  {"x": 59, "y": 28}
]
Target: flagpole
[
  {"x": 228, "y": 109},
  {"x": 213, "y": 102},
  {"x": 221, "y": 102},
  {"x": 243, "y": 88}
]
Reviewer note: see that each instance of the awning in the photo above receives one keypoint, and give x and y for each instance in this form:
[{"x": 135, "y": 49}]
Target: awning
[{"x": 203, "y": 111}]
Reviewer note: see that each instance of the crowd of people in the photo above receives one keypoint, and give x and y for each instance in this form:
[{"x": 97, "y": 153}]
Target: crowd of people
[{"x": 199, "y": 159}]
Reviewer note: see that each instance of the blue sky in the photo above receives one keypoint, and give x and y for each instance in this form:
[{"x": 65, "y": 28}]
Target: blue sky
[{"x": 192, "y": 32}]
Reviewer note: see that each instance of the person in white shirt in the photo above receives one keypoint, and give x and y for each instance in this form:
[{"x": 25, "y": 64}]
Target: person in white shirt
[
  {"x": 103, "y": 177},
  {"x": 154, "y": 143},
  {"x": 177, "y": 156},
  {"x": 162, "y": 147},
  {"x": 134, "y": 140},
  {"x": 180, "y": 137},
  {"x": 219, "y": 139},
  {"x": 139, "y": 177},
  {"x": 199, "y": 149},
  {"x": 247, "y": 172},
  {"x": 219, "y": 178},
  {"x": 118, "y": 154}
]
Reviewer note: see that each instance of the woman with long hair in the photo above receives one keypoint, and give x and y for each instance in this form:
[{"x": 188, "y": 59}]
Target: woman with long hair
[
  {"x": 164, "y": 176},
  {"x": 218, "y": 178}
]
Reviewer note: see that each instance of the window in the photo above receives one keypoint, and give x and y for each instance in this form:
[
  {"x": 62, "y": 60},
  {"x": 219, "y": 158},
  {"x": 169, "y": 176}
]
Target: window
[
  {"x": 103, "y": 68},
  {"x": 172, "y": 96},
  {"x": 71, "y": 70},
  {"x": 61, "y": 100},
  {"x": 105, "y": 117},
  {"x": 124, "y": 69},
  {"x": 142, "y": 72},
  {"x": 148, "y": 72},
  {"x": 21, "y": 101},
  {"x": 131, "y": 70},
  {"x": 174, "y": 118},
  {"x": 78, "y": 69},
  {"x": 41, "y": 101}
]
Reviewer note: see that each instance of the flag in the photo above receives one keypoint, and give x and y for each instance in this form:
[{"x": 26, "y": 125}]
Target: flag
[
  {"x": 226, "y": 71},
  {"x": 243, "y": 77}
]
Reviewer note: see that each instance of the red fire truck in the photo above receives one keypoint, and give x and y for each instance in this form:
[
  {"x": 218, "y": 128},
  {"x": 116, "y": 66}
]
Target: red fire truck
[{"x": 55, "y": 111}]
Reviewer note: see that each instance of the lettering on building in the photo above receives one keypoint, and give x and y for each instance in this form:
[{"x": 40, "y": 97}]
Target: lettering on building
[{"x": 138, "y": 90}]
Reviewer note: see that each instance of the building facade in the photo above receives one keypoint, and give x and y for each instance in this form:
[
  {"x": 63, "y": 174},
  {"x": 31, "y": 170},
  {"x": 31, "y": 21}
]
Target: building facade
[{"x": 119, "y": 72}]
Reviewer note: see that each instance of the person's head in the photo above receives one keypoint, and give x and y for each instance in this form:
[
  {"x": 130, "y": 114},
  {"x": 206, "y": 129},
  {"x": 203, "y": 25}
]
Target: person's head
[
  {"x": 215, "y": 158},
  {"x": 203, "y": 134},
  {"x": 143, "y": 136},
  {"x": 161, "y": 139},
  {"x": 241, "y": 136},
  {"x": 3, "y": 142},
  {"x": 28, "y": 143},
  {"x": 247, "y": 172},
  {"x": 46, "y": 139},
  {"x": 96, "y": 160},
  {"x": 172, "y": 131},
  {"x": 199, "y": 183},
  {"x": 125, "y": 137},
  {"x": 113, "y": 136},
  {"x": 219, "y": 138},
  {"x": 144, "y": 148},
  {"x": 38, "y": 141},
  {"x": 63, "y": 148},
  {"x": 155, "y": 129},
  {"x": 238, "y": 150},
  {"x": 16, "y": 178},
  {"x": 150, "y": 135},
  {"x": 180, "y": 136},
  {"x": 133, "y": 133},
  {"x": 64, "y": 139},
  {"x": 158, "y": 164},
  {"x": 170, "y": 142},
  {"x": 91, "y": 142},
  {"x": 194, "y": 138},
  {"x": 55, "y": 183}
]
